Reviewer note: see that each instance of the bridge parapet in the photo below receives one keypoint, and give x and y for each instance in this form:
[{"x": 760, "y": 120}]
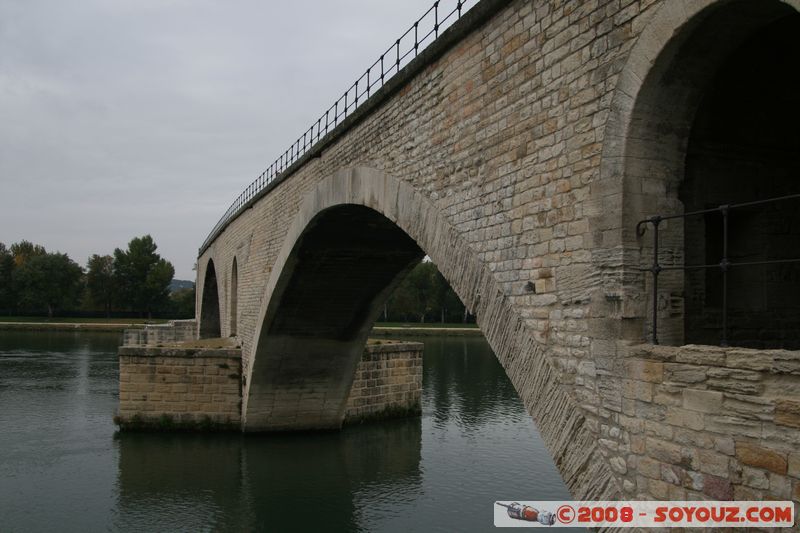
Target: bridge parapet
[
  {"x": 706, "y": 421},
  {"x": 155, "y": 334}
]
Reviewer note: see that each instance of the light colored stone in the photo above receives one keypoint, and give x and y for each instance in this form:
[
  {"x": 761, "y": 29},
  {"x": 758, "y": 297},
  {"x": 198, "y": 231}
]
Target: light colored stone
[
  {"x": 787, "y": 413},
  {"x": 702, "y": 400}
]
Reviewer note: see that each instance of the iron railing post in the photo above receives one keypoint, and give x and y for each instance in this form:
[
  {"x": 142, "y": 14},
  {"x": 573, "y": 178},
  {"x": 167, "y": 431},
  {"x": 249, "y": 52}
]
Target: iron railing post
[
  {"x": 295, "y": 151},
  {"x": 724, "y": 264},
  {"x": 656, "y": 270}
]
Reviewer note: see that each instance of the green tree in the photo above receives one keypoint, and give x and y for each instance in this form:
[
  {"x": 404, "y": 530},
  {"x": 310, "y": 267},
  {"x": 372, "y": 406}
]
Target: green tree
[
  {"x": 182, "y": 303},
  {"x": 50, "y": 280},
  {"x": 24, "y": 250},
  {"x": 100, "y": 281},
  {"x": 141, "y": 276},
  {"x": 7, "y": 296},
  {"x": 416, "y": 294}
]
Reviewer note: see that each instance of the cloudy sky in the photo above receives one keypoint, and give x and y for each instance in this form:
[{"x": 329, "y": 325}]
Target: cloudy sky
[{"x": 120, "y": 118}]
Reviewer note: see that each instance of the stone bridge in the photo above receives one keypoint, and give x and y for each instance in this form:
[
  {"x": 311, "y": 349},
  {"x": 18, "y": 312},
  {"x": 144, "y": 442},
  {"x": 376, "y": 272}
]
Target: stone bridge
[{"x": 519, "y": 151}]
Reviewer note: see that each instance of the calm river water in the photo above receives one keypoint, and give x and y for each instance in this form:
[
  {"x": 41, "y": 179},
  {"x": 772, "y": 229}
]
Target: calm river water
[{"x": 63, "y": 467}]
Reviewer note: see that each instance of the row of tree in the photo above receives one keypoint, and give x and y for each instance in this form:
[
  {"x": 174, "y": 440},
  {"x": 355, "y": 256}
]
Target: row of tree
[
  {"x": 425, "y": 296},
  {"x": 135, "y": 280}
]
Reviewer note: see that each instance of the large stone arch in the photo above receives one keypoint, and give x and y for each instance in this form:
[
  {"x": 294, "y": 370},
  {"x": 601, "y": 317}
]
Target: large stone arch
[
  {"x": 653, "y": 107},
  {"x": 209, "y": 326},
  {"x": 558, "y": 418}
]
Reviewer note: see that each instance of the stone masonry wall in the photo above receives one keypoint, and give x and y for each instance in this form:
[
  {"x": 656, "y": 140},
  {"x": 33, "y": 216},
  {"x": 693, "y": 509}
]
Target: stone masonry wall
[
  {"x": 515, "y": 139},
  {"x": 388, "y": 381},
  {"x": 176, "y": 386},
  {"x": 707, "y": 422},
  {"x": 195, "y": 387}
]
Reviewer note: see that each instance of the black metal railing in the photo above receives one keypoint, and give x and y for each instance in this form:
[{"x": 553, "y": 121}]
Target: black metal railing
[
  {"x": 724, "y": 264},
  {"x": 416, "y": 38}
]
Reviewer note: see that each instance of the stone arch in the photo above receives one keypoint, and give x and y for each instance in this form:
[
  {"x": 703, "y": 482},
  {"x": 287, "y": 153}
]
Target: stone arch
[
  {"x": 371, "y": 198},
  {"x": 658, "y": 92},
  {"x": 234, "y": 299},
  {"x": 209, "y": 307}
]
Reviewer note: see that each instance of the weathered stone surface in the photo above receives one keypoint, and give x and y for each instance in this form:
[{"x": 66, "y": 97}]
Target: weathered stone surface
[
  {"x": 713, "y": 463},
  {"x": 644, "y": 370},
  {"x": 780, "y": 487},
  {"x": 748, "y": 360},
  {"x": 794, "y": 465},
  {"x": 733, "y": 426},
  {"x": 787, "y": 413},
  {"x": 388, "y": 381},
  {"x": 701, "y": 355},
  {"x": 685, "y": 374},
  {"x": 685, "y": 418},
  {"x": 702, "y": 400},
  {"x": 717, "y": 487},
  {"x": 758, "y": 456},
  {"x": 198, "y": 384},
  {"x": 755, "y": 478},
  {"x": 517, "y": 158}
]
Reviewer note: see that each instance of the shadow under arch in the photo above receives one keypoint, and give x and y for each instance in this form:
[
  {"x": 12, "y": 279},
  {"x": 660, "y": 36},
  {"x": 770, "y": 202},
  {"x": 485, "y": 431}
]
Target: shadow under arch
[
  {"x": 209, "y": 309},
  {"x": 353, "y": 238},
  {"x": 234, "y": 299},
  {"x": 669, "y": 69}
]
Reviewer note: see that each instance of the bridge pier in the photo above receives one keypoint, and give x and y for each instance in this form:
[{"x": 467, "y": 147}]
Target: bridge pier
[{"x": 171, "y": 381}]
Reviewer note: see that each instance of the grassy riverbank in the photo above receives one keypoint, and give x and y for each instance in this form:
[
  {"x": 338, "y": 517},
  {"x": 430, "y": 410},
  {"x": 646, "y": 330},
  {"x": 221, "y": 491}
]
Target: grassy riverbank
[
  {"x": 381, "y": 329},
  {"x": 37, "y": 323},
  {"x": 389, "y": 329}
]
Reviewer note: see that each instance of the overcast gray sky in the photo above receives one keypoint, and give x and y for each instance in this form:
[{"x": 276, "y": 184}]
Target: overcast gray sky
[{"x": 120, "y": 118}]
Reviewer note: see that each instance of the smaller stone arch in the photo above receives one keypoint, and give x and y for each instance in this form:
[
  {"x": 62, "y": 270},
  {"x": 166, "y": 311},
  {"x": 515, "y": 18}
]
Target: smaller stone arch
[
  {"x": 644, "y": 162},
  {"x": 209, "y": 306},
  {"x": 234, "y": 299}
]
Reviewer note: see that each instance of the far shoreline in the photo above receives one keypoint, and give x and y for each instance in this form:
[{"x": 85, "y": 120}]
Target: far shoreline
[{"x": 379, "y": 330}]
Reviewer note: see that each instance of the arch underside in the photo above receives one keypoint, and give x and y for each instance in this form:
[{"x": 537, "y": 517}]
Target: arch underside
[
  {"x": 209, "y": 308},
  {"x": 331, "y": 290},
  {"x": 354, "y": 238},
  {"x": 661, "y": 104},
  {"x": 234, "y": 299}
]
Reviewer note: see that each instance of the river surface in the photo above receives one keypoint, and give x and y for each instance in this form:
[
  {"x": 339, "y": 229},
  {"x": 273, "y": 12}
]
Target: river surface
[{"x": 63, "y": 467}]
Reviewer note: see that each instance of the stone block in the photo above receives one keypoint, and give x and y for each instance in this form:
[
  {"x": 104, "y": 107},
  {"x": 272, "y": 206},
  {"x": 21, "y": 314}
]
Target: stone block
[
  {"x": 713, "y": 463},
  {"x": 780, "y": 487},
  {"x": 665, "y": 452},
  {"x": 760, "y": 457},
  {"x": 733, "y": 426},
  {"x": 637, "y": 390},
  {"x": 787, "y": 413},
  {"x": 701, "y": 355},
  {"x": 794, "y": 464},
  {"x": 717, "y": 487},
  {"x": 645, "y": 370},
  {"x": 685, "y": 374},
  {"x": 754, "y": 478},
  {"x": 749, "y": 360},
  {"x": 685, "y": 418},
  {"x": 743, "y": 493},
  {"x": 702, "y": 400}
]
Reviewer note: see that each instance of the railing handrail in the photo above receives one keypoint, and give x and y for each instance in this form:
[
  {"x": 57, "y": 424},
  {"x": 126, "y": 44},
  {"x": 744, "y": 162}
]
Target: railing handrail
[
  {"x": 724, "y": 264},
  {"x": 376, "y": 75}
]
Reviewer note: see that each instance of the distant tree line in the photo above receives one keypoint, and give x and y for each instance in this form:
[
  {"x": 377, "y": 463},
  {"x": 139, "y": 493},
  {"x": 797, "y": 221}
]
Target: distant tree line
[
  {"x": 425, "y": 296},
  {"x": 134, "y": 281}
]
